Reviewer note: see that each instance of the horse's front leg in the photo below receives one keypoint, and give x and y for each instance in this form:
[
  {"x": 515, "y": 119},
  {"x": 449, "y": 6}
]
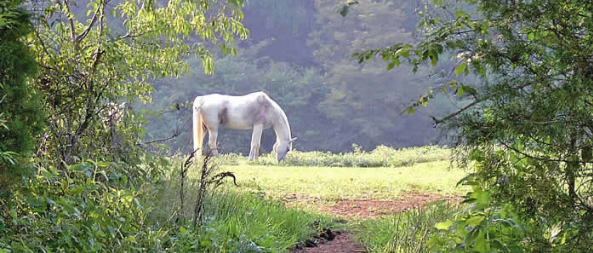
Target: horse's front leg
[
  {"x": 255, "y": 142},
  {"x": 212, "y": 136}
]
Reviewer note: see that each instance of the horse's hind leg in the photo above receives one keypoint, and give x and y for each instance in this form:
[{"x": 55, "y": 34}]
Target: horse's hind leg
[
  {"x": 212, "y": 136},
  {"x": 255, "y": 142}
]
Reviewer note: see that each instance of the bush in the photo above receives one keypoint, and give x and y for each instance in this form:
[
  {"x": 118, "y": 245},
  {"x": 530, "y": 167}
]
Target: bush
[
  {"x": 482, "y": 227},
  {"x": 93, "y": 207},
  {"x": 20, "y": 107},
  {"x": 382, "y": 156},
  {"x": 109, "y": 207}
]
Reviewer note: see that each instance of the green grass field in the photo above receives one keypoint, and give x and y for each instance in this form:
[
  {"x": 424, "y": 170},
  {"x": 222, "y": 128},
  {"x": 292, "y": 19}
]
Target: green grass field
[
  {"x": 275, "y": 204},
  {"x": 335, "y": 183}
]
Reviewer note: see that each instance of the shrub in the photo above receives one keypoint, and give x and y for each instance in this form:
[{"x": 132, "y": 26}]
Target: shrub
[
  {"x": 110, "y": 207},
  {"x": 382, "y": 156},
  {"x": 20, "y": 107},
  {"x": 482, "y": 227},
  {"x": 93, "y": 207}
]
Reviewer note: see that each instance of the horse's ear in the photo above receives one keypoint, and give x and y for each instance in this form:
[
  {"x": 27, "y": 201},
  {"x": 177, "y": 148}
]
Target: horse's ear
[{"x": 293, "y": 139}]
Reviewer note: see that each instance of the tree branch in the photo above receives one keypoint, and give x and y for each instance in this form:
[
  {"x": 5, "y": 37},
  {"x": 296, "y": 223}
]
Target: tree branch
[
  {"x": 452, "y": 115},
  {"x": 86, "y": 31},
  {"x": 163, "y": 139},
  {"x": 71, "y": 21}
]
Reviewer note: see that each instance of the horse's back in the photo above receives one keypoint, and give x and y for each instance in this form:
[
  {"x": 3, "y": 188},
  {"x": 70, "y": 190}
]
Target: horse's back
[
  {"x": 237, "y": 112},
  {"x": 245, "y": 111}
]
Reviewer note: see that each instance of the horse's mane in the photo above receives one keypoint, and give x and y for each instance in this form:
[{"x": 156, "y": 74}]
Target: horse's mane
[{"x": 282, "y": 114}]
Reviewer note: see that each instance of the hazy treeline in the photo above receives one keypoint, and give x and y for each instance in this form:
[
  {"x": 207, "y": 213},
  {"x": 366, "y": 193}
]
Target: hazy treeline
[{"x": 299, "y": 52}]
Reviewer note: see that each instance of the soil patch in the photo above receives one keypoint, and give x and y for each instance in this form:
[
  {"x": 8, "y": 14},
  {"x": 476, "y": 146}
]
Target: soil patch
[
  {"x": 364, "y": 209},
  {"x": 341, "y": 243}
]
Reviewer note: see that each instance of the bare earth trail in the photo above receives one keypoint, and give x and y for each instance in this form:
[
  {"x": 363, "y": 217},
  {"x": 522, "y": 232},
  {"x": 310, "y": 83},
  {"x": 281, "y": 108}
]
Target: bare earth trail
[
  {"x": 363, "y": 209},
  {"x": 342, "y": 243}
]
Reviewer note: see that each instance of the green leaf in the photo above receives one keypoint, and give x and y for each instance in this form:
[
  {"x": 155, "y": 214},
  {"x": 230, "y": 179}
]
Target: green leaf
[
  {"x": 460, "y": 68},
  {"x": 394, "y": 62},
  {"x": 434, "y": 59},
  {"x": 344, "y": 10},
  {"x": 411, "y": 110},
  {"x": 480, "y": 243},
  {"x": 475, "y": 220},
  {"x": 444, "y": 225},
  {"x": 404, "y": 52}
]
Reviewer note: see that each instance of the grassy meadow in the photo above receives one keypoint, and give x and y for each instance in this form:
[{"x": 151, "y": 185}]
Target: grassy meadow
[
  {"x": 335, "y": 183},
  {"x": 277, "y": 205}
]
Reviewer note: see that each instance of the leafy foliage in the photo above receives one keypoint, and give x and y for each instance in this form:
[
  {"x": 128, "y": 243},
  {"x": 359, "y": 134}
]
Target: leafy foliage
[
  {"x": 98, "y": 207},
  {"x": 92, "y": 208},
  {"x": 367, "y": 100},
  {"x": 21, "y": 116},
  {"x": 87, "y": 64},
  {"x": 527, "y": 121},
  {"x": 482, "y": 227}
]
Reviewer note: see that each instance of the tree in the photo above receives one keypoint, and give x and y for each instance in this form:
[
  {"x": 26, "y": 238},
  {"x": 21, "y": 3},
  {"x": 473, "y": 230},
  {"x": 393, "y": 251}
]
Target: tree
[
  {"x": 528, "y": 123},
  {"x": 21, "y": 116},
  {"x": 367, "y": 100},
  {"x": 114, "y": 54},
  {"x": 284, "y": 25}
]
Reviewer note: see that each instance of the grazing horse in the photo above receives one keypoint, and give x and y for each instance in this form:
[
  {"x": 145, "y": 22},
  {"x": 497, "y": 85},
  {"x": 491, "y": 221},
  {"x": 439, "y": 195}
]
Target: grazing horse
[{"x": 254, "y": 111}]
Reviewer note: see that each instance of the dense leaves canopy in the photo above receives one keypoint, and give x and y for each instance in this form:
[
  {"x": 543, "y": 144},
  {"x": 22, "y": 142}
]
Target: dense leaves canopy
[
  {"x": 528, "y": 122},
  {"x": 113, "y": 55},
  {"x": 21, "y": 117}
]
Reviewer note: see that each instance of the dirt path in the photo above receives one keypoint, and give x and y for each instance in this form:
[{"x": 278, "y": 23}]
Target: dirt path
[
  {"x": 362, "y": 209},
  {"x": 365, "y": 209},
  {"x": 342, "y": 244}
]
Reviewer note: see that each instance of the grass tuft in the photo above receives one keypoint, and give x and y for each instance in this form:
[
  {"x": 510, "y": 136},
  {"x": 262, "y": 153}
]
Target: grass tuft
[{"x": 403, "y": 232}]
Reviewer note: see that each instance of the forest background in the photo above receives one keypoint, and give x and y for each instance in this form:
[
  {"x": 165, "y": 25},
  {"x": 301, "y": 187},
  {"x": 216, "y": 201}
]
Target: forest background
[{"x": 300, "y": 54}]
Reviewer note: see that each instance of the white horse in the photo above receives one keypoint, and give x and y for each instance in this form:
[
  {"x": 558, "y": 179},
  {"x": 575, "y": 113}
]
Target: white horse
[{"x": 254, "y": 111}]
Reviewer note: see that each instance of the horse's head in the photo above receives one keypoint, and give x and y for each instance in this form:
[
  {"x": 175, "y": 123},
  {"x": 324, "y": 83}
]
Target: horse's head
[{"x": 282, "y": 147}]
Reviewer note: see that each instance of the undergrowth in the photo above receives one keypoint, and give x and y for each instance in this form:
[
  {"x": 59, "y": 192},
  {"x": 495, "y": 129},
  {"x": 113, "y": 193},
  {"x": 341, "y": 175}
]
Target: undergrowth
[
  {"x": 382, "y": 156},
  {"x": 105, "y": 207},
  {"x": 408, "y": 231},
  {"x": 236, "y": 221}
]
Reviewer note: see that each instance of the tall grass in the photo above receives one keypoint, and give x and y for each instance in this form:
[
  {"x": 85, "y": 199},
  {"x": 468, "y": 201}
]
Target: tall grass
[
  {"x": 234, "y": 221},
  {"x": 382, "y": 156},
  {"x": 404, "y": 232}
]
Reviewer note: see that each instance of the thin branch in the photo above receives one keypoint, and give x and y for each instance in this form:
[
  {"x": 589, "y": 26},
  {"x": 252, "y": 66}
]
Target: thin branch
[
  {"x": 86, "y": 31},
  {"x": 42, "y": 43},
  {"x": 540, "y": 157},
  {"x": 130, "y": 36},
  {"x": 163, "y": 139},
  {"x": 71, "y": 20},
  {"x": 452, "y": 115}
]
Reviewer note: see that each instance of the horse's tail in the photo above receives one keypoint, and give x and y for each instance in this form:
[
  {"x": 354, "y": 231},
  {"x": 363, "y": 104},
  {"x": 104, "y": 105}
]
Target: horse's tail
[{"x": 198, "y": 127}]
